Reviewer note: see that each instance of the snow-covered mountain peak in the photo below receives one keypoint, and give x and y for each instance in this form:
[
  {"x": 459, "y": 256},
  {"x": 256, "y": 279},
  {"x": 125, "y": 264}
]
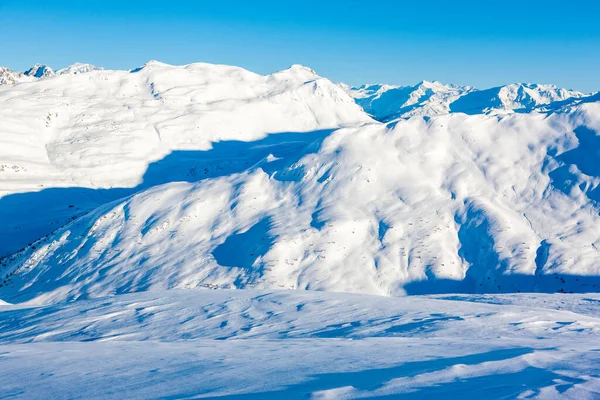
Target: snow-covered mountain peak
[
  {"x": 300, "y": 67},
  {"x": 298, "y": 73},
  {"x": 515, "y": 97},
  {"x": 370, "y": 90},
  {"x": 172, "y": 168},
  {"x": 298, "y": 81},
  {"x": 456, "y": 203},
  {"x": 431, "y": 84},
  {"x": 10, "y": 77},
  {"x": 386, "y": 102},
  {"x": 428, "y": 98},
  {"x": 527, "y": 94},
  {"x": 78, "y": 68},
  {"x": 131, "y": 201},
  {"x": 40, "y": 71}
]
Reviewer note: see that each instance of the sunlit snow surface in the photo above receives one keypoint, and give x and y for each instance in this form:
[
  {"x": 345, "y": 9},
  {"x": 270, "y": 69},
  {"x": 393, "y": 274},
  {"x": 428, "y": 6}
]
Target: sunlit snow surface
[
  {"x": 299, "y": 344},
  {"x": 120, "y": 189}
]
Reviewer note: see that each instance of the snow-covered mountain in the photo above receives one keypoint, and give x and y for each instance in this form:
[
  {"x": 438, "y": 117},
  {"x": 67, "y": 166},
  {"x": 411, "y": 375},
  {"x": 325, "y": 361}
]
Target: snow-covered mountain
[
  {"x": 40, "y": 71},
  {"x": 212, "y": 176},
  {"x": 249, "y": 344},
  {"x": 10, "y": 77},
  {"x": 389, "y": 102},
  {"x": 512, "y": 98},
  {"x": 101, "y": 130},
  {"x": 78, "y": 68},
  {"x": 476, "y": 204},
  {"x": 118, "y": 187}
]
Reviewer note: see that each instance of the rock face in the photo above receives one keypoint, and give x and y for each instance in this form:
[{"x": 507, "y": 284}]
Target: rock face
[
  {"x": 210, "y": 176},
  {"x": 40, "y": 71}
]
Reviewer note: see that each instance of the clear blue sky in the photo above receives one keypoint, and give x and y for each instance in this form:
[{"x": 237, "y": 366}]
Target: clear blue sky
[{"x": 481, "y": 43}]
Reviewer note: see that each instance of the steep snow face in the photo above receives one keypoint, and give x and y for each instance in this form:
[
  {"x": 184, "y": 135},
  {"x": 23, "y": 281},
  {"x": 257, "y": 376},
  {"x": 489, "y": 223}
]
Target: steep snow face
[
  {"x": 40, "y": 71},
  {"x": 387, "y": 102},
  {"x": 213, "y": 176},
  {"x": 515, "y": 97},
  {"x": 453, "y": 204},
  {"x": 102, "y": 129}
]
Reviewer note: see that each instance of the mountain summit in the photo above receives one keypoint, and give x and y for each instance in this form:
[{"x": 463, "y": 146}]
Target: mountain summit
[{"x": 40, "y": 71}]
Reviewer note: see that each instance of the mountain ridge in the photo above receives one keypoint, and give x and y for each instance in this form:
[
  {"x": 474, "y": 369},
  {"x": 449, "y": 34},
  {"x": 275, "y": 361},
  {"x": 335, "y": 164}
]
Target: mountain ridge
[
  {"x": 388, "y": 102},
  {"x": 212, "y": 176}
]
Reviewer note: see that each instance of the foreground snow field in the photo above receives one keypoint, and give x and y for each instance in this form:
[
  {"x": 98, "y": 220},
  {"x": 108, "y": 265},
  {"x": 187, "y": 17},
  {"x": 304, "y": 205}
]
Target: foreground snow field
[
  {"x": 299, "y": 344},
  {"x": 126, "y": 196}
]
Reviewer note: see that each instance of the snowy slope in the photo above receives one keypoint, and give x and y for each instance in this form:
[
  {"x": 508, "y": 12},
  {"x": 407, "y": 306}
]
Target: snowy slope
[
  {"x": 298, "y": 345},
  {"x": 455, "y": 204},
  {"x": 212, "y": 176},
  {"x": 101, "y": 129},
  {"x": 118, "y": 187},
  {"x": 388, "y": 102}
]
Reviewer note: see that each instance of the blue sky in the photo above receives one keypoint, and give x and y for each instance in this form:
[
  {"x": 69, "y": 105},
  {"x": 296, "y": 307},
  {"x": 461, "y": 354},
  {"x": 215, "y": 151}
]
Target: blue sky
[{"x": 479, "y": 43}]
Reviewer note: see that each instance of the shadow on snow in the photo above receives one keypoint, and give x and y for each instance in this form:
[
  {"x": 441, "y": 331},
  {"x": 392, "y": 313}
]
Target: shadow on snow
[
  {"x": 27, "y": 217},
  {"x": 491, "y": 386}
]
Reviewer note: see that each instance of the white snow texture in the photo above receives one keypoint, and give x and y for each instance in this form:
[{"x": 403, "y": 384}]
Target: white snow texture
[
  {"x": 212, "y": 176},
  {"x": 119, "y": 187}
]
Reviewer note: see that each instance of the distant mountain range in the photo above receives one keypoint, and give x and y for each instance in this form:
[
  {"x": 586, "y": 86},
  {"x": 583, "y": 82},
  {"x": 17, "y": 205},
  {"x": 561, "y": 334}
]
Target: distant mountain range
[{"x": 388, "y": 102}]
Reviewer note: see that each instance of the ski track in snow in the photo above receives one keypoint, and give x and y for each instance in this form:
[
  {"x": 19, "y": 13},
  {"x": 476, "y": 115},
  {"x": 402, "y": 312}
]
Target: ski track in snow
[{"x": 119, "y": 189}]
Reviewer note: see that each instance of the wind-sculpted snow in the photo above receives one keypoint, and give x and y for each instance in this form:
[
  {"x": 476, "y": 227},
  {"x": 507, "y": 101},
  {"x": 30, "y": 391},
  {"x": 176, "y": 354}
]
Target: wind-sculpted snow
[
  {"x": 40, "y": 71},
  {"x": 452, "y": 204},
  {"x": 298, "y": 345}
]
